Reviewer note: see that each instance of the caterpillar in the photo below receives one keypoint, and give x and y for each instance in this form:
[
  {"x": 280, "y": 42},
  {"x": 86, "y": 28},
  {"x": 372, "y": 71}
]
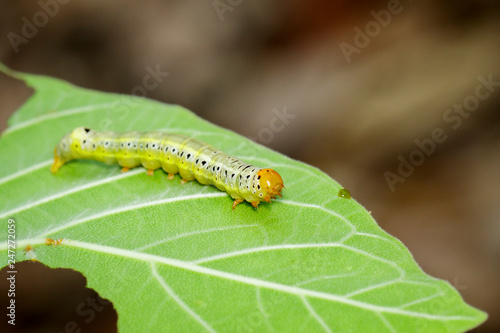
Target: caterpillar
[{"x": 174, "y": 153}]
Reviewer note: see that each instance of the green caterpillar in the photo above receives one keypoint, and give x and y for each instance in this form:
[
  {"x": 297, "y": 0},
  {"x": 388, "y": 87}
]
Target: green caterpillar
[{"x": 174, "y": 153}]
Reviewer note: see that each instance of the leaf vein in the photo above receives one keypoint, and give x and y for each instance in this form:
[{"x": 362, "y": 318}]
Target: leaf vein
[
  {"x": 192, "y": 233},
  {"x": 131, "y": 207},
  {"x": 55, "y": 115},
  {"x": 179, "y": 301},
  {"x": 315, "y": 315}
]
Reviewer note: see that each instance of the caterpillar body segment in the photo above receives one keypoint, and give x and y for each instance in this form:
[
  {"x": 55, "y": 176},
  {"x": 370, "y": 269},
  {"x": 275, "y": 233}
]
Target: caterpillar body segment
[{"x": 174, "y": 153}]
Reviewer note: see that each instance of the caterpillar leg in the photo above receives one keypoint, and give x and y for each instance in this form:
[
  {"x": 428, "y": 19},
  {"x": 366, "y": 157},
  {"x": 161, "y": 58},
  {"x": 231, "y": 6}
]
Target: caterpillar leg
[
  {"x": 125, "y": 169},
  {"x": 171, "y": 176},
  {"x": 150, "y": 172},
  {"x": 237, "y": 202},
  {"x": 255, "y": 204},
  {"x": 184, "y": 181}
]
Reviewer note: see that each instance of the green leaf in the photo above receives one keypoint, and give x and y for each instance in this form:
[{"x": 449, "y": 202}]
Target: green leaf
[{"x": 176, "y": 257}]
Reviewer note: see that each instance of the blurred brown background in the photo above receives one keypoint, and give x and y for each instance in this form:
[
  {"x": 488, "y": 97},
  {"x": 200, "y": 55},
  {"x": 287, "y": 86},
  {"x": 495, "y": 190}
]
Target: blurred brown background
[{"x": 234, "y": 62}]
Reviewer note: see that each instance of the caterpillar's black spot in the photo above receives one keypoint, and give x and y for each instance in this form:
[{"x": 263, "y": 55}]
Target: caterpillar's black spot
[
  {"x": 218, "y": 168},
  {"x": 213, "y": 168},
  {"x": 225, "y": 172},
  {"x": 197, "y": 160},
  {"x": 260, "y": 194},
  {"x": 84, "y": 141},
  {"x": 182, "y": 153},
  {"x": 203, "y": 162},
  {"x": 86, "y": 130},
  {"x": 258, "y": 187},
  {"x": 153, "y": 146},
  {"x": 93, "y": 146},
  {"x": 258, "y": 177},
  {"x": 188, "y": 156},
  {"x": 248, "y": 176},
  {"x": 232, "y": 175},
  {"x": 166, "y": 148},
  {"x": 121, "y": 145},
  {"x": 129, "y": 144},
  {"x": 140, "y": 146},
  {"x": 147, "y": 145}
]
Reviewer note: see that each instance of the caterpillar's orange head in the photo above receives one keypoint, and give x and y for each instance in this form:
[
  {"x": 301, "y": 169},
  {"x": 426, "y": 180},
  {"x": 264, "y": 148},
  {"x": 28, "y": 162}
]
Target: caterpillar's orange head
[{"x": 271, "y": 183}]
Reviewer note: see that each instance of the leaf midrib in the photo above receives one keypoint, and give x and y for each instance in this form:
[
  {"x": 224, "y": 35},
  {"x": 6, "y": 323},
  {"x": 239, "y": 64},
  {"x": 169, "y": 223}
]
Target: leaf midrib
[{"x": 300, "y": 292}]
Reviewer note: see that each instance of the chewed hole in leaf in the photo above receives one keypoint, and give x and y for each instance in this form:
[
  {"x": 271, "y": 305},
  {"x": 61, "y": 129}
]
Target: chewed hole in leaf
[{"x": 55, "y": 300}]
